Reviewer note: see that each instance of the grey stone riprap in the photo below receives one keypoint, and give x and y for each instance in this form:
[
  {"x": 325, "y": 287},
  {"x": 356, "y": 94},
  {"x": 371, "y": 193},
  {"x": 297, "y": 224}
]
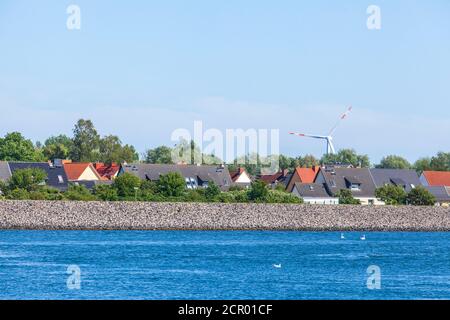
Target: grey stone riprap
[{"x": 55, "y": 215}]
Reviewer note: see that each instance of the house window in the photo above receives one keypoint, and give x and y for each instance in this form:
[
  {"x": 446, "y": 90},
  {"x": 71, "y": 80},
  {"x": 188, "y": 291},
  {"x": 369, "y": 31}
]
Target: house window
[
  {"x": 355, "y": 187},
  {"x": 188, "y": 183},
  {"x": 60, "y": 179},
  {"x": 194, "y": 183}
]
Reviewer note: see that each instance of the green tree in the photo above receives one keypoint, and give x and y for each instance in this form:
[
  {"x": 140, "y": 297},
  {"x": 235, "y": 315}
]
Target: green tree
[
  {"x": 28, "y": 179},
  {"x": 112, "y": 151},
  {"x": 258, "y": 191},
  {"x": 347, "y": 156},
  {"x": 159, "y": 155},
  {"x": 127, "y": 185},
  {"x": 345, "y": 197},
  {"x": 57, "y": 147},
  {"x": 212, "y": 191},
  {"x": 14, "y": 147},
  {"x": 55, "y": 151},
  {"x": 308, "y": 161},
  {"x": 420, "y": 196},
  {"x": 422, "y": 165},
  {"x": 391, "y": 195},
  {"x": 441, "y": 162},
  {"x": 85, "y": 142},
  {"x": 188, "y": 152},
  {"x": 286, "y": 162},
  {"x": 171, "y": 184},
  {"x": 394, "y": 162}
]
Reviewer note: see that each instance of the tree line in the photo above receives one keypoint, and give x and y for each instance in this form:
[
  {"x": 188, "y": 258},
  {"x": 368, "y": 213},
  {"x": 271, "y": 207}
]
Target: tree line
[{"x": 87, "y": 145}]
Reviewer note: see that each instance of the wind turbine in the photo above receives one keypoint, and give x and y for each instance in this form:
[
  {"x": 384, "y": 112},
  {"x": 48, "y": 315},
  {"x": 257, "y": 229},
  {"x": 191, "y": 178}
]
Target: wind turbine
[{"x": 328, "y": 138}]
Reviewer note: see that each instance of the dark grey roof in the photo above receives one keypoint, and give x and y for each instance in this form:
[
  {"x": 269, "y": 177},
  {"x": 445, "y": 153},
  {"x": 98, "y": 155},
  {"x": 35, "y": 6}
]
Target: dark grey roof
[
  {"x": 441, "y": 193},
  {"x": 286, "y": 179},
  {"x": 311, "y": 190},
  {"x": 53, "y": 173},
  {"x": 400, "y": 177},
  {"x": 218, "y": 174},
  {"x": 352, "y": 180},
  {"x": 337, "y": 178},
  {"x": 5, "y": 173}
]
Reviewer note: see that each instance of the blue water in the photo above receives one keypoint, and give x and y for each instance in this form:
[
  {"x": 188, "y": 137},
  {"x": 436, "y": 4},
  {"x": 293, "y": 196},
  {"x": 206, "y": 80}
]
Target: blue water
[{"x": 222, "y": 265}]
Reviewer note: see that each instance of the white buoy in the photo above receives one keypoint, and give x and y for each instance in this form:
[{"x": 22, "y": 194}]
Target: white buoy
[
  {"x": 363, "y": 237},
  {"x": 342, "y": 236}
]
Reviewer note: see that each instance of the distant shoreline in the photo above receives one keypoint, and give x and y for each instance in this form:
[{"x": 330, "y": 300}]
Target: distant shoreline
[{"x": 71, "y": 215}]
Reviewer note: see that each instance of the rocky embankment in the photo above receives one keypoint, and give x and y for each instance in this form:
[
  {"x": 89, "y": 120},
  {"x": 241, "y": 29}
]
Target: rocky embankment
[{"x": 67, "y": 215}]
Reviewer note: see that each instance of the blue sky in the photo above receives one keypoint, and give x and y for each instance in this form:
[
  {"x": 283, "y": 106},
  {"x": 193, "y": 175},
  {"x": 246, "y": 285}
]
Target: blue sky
[{"x": 141, "y": 69}]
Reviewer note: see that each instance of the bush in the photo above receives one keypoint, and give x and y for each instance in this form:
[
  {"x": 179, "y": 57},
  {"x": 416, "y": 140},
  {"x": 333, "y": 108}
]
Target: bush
[
  {"x": 171, "y": 185},
  {"x": 148, "y": 186},
  {"x": 276, "y": 196},
  {"x": 280, "y": 187},
  {"x": 3, "y": 187},
  {"x": 212, "y": 191},
  {"x": 28, "y": 179},
  {"x": 127, "y": 185},
  {"x": 46, "y": 193},
  {"x": 226, "y": 197},
  {"x": 346, "y": 197},
  {"x": 391, "y": 195},
  {"x": 197, "y": 195},
  {"x": 78, "y": 193},
  {"x": 236, "y": 187},
  {"x": 106, "y": 192},
  {"x": 420, "y": 196},
  {"x": 240, "y": 196},
  {"x": 258, "y": 191},
  {"x": 18, "y": 194}
]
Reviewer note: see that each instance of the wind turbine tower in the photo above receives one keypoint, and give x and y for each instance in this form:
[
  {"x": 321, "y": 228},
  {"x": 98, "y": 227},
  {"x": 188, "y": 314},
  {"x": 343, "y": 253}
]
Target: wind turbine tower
[{"x": 328, "y": 138}]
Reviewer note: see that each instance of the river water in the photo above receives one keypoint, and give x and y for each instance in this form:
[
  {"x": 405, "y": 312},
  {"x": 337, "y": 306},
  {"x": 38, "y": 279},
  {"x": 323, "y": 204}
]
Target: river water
[{"x": 223, "y": 265}]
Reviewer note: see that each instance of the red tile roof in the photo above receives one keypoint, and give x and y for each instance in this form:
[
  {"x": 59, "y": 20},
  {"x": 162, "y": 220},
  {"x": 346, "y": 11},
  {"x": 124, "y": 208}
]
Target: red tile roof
[
  {"x": 437, "y": 178},
  {"x": 107, "y": 171},
  {"x": 307, "y": 175},
  {"x": 75, "y": 169},
  {"x": 272, "y": 178}
]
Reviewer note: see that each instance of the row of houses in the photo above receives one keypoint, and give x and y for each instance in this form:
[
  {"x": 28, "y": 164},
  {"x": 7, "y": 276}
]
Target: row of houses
[
  {"x": 320, "y": 185},
  {"x": 60, "y": 173},
  {"x": 316, "y": 185}
]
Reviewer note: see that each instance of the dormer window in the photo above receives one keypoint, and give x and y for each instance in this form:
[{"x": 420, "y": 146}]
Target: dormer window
[
  {"x": 353, "y": 183},
  {"x": 355, "y": 187},
  {"x": 60, "y": 179}
]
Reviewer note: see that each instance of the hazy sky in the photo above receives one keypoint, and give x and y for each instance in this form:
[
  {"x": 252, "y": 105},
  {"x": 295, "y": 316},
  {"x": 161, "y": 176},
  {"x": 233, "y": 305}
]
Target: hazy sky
[{"x": 141, "y": 69}]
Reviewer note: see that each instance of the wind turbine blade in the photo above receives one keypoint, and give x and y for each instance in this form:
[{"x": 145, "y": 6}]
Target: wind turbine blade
[
  {"x": 342, "y": 117},
  {"x": 308, "y": 135}
]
